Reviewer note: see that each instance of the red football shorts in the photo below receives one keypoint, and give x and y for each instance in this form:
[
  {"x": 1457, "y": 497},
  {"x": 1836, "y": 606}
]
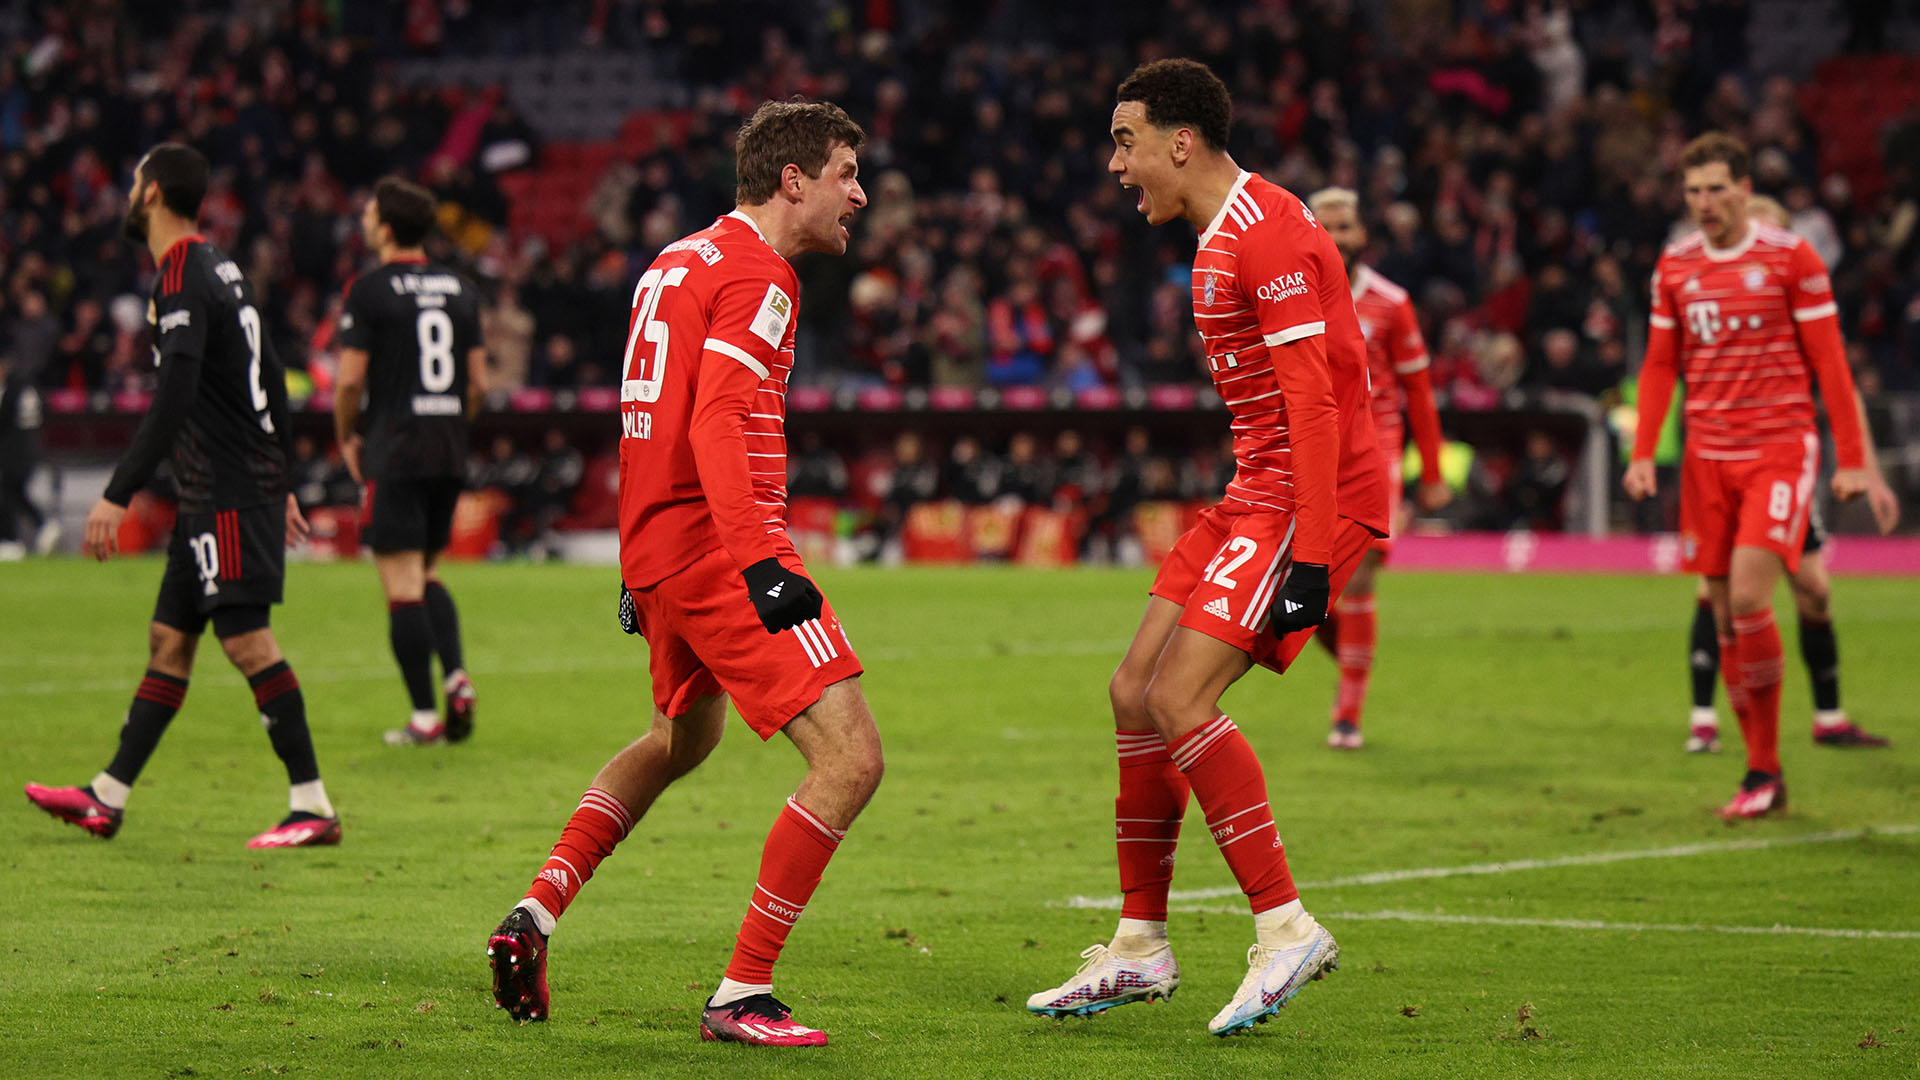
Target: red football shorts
[
  {"x": 703, "y": 638},
  {"x": 1225, "y": 571},
  {"x": 1763, "y": 502}
]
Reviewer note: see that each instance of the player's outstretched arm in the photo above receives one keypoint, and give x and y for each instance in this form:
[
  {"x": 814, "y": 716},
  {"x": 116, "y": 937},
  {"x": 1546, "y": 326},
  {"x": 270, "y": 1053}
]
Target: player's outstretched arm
[
  {"x": 1816, "y": 319},
  {"x": 172, "y": 399},
  {"x": 735, "y": 359},
  {"x": 477, "y": 380},
  {"x": 349, "y": 384},
  {"x": 1658, "y": 372},
  {"x": 1880, "y": 498}
]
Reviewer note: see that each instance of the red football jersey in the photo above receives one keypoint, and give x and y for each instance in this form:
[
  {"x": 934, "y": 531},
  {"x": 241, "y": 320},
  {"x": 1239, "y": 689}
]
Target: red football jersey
[
  {"x": 703, "y": 449},
  {"x": 1272, "y": 303},
  {"x": 1397, "y": 363},
  {"x": 1751, "y": 324}
]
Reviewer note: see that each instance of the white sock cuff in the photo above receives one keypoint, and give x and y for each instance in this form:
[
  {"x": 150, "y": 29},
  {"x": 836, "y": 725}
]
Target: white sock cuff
[
  {"x": 730, "y": 991},
  {"x": 1704, "y": 717},
  {"x": 542, "y": 918},
  {"x": 424, "y": 720},
  {"x": 1151, "y": 929},
  {"x": 1284, "y": 925},
  {"x": 1826, "y": 718},
  {"x": 110, "y": 791},
  {"x": 310, "y": 798}
]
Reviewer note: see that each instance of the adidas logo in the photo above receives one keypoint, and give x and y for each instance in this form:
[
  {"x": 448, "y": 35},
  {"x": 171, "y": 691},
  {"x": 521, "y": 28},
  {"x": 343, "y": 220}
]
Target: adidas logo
[
  {"x": 1293, "y": 607},
  {"x": 775, "y": 591},
  {"x": 1218, "y": 606},
  {"x": 558, "y": 878}
]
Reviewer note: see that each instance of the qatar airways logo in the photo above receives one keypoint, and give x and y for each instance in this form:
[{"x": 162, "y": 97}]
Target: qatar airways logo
[{"x": 1283, "y": 286}]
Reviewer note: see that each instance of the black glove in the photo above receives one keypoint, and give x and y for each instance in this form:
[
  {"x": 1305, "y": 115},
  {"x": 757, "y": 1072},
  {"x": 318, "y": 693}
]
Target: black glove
[
  {"x": 629, "y": 617},
  {"x": 782, "y": 598},
  {"x": 1302, "y": 600}
]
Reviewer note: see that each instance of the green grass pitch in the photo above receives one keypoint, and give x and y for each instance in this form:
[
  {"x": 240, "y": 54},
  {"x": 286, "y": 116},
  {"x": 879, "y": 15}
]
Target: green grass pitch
[{"x": 1513, "y": 718}]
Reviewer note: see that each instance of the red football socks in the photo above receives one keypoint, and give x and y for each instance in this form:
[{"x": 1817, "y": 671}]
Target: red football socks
[
  {"x": 1760, "y": 661},
  {"x": 1353, "y": 649},
  {"x": 1147, "y": 813},
  {"x": 797, "y": 851},
  {"x": 599, "y": 824},
  {"x": 1232, "y": 790}
]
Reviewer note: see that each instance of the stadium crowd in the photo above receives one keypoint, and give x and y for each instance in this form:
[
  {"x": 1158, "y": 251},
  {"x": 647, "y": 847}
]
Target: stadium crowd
[{"x": 1517, "y": 169}]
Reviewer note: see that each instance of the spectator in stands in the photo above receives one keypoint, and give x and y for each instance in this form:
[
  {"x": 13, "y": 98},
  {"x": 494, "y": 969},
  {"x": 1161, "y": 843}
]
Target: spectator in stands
[
  {"x": 510, "y": 474},
  {"x": 507, "y": 329},
  {"x": 555, "y": 480},
  {"x": 308, "y": 474},
  {"x": 815, "y": 470},
  {"x": 1018, "y": 332},
  {"x": 1077, "y": 476},
  {"x": 1534, "y": 493},
  {"x": 909, "y": 478},
  {"x": 971, "y": 475},
  {"x": 1026, "y": 478}
]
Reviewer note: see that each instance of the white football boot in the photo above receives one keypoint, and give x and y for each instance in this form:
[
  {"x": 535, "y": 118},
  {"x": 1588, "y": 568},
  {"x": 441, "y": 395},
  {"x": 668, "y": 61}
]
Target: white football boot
[
  {"x": 1273, "y": 977},
  {"x": 1108, "y": 979}
]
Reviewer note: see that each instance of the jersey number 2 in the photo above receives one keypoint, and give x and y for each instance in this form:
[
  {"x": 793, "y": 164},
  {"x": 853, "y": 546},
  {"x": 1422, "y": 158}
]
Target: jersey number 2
[
  {"x": 250, "y": 326},
  {"x": 644, "y": 372},
  {"x": 1229, "y": 559}
]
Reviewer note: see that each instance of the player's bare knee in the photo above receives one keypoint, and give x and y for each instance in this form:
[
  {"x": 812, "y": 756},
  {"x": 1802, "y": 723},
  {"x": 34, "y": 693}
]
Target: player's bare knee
[
  {"x": 170, "y": 650},
  {"x": 1127, "y": 691},
  {"x": 1168, "y": 706},
  {"x": 252, "y": 650}
]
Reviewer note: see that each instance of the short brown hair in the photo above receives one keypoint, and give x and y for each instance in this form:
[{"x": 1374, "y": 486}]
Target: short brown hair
[
  {"x": 1182, "y": 94},
  {"x": 783, "y": 133},
  {"x": 408, "y": 209},
  {"x": 1722, "y": 147}
]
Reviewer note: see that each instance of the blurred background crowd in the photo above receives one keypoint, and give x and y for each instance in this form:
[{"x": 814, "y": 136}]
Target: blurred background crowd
[{"x": 1516, "y": 161}]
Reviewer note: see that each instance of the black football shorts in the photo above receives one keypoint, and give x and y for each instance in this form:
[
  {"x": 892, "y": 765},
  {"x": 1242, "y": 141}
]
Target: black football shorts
[
  {"x": 411, "y": 514},
  {"x": 227, "y": 558}
]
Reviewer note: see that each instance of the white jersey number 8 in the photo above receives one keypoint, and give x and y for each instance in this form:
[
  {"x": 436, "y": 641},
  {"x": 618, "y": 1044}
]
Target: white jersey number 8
[{"x": 435, "y": 332}]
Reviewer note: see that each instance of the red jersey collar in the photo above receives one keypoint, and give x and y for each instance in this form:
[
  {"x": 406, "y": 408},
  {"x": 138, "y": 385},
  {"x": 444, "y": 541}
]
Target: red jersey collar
[
  {"x": 1239, "y": 183},
  {"x": 178, "y": 244},
  {"x": 410, "y": 260}
]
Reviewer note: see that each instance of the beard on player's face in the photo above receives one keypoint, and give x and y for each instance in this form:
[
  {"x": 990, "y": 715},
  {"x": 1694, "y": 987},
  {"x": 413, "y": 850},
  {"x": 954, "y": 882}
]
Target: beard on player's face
[{"x": 135, "y": 225}]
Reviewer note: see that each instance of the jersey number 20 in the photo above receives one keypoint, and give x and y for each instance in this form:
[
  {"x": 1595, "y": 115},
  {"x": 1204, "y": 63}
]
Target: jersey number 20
[{"x": 645, "y": 372}]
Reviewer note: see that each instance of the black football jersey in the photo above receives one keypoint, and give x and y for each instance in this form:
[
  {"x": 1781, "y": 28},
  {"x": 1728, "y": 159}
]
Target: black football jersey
[
  {"x": 417, "y": 322},
  {"x": 220, "y": 409}
]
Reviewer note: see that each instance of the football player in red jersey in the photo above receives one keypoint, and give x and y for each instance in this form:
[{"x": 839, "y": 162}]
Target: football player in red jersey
[
  {"x": 1812, "y": 599},
  {"x": 1397, "y": 364},
  {"x": 1743, "y": 312},
  {"x": 710, "y": 577},
  {"x": 1250, "y": 582}
]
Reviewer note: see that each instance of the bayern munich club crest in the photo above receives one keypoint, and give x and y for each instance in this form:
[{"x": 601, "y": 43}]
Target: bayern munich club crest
[
  {"x": 1207, "y": 293},
  {"x": 1754, "y": 278}
]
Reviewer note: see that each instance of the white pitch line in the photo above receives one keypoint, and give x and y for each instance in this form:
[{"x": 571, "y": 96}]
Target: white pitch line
[
  {"x": 1597, "y": 858},
  {"x": 1777, "y": 929}
]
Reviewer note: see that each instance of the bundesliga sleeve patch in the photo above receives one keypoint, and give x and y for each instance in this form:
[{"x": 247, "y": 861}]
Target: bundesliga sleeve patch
[{"x": 770, "y": 322}]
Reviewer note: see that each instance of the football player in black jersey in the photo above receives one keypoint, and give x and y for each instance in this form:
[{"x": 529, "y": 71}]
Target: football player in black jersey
[
  {"x": 220, "y": 411},
  {"x": 410, "y": 341}
]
